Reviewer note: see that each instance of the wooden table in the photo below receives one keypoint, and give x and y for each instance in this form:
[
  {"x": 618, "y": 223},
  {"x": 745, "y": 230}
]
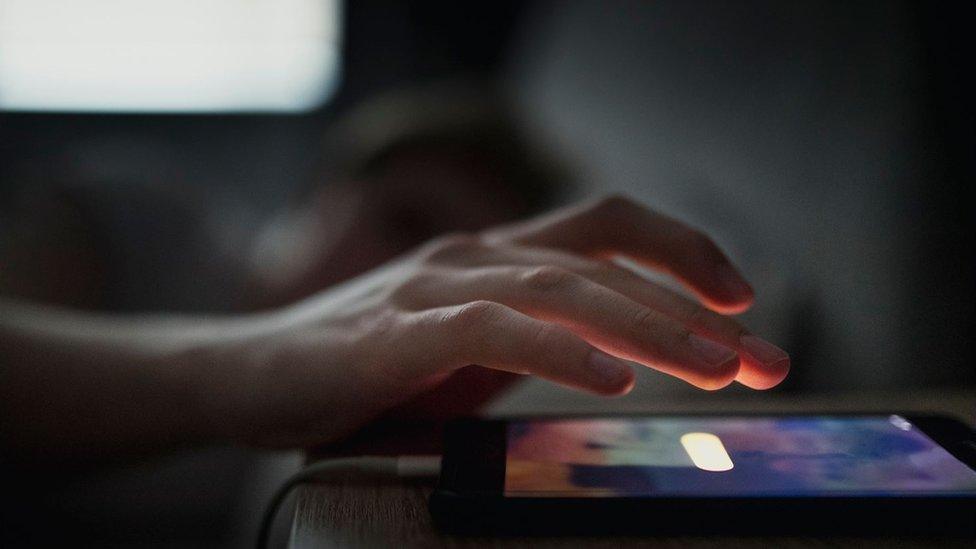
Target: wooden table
[{"x": 395, "y": 515}]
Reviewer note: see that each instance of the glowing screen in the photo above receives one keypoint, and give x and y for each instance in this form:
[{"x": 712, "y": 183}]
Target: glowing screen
[{"x": 730, "y": 456}]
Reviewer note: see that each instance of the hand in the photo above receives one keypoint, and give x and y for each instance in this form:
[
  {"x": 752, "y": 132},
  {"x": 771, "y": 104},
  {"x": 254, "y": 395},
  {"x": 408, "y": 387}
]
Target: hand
[{"x": 539, "y": 297}]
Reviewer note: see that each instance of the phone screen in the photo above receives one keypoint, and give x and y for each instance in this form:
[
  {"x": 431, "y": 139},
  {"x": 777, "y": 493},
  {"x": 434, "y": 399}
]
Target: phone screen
[{"x": 729, "y": 457}]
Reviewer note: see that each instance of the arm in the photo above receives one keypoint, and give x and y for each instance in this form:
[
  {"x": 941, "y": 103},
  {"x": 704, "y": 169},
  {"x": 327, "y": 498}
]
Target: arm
[
  {"x": 88, "y": 386},
  {"x": 535, "y": 298}
]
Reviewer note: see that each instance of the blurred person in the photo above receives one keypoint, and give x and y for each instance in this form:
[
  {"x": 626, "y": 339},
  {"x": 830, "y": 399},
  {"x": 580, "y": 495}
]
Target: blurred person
[
  {"x": 398, "y": 170},
  {"x": 352, "y": 317}
]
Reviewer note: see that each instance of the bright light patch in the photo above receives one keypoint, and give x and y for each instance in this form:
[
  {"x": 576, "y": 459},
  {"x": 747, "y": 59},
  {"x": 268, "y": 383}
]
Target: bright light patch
[
  {"x": 900, "y": 423},
  {"x": 168, "y": 55},
  {"x": 706, "y": 452}
]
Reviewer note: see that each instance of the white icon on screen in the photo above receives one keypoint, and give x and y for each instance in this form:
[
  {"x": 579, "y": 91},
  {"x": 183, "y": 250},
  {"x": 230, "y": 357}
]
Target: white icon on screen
[{"x": 706, "y": 452}]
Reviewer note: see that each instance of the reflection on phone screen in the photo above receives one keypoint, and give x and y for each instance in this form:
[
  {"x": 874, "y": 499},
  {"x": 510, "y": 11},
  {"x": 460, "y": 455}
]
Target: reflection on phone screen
[{"x": 730, "y": 456}]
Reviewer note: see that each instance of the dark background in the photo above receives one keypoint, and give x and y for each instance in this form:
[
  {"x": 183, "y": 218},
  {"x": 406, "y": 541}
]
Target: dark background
[{"x": 828, "y": 147}]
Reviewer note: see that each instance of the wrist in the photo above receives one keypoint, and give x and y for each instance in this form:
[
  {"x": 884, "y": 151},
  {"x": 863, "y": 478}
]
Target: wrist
[
  {"x": 217, "y": 375},
  {"x": 233, "y": 383}
]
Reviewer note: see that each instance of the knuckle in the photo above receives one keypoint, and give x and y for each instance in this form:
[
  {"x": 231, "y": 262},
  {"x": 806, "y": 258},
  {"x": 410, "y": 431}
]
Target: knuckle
[
  {"x": 547, "y": 278},
  {"x": 449, "y": 246},
  {"x": 660, "y": 332},
  {"x": 696, "y": 315},
  {"x": 645, "y": 321},
  {"x": 733, "y": 329},
  {"x": 694, "y": 239},
  {"x": 614, "y": 204},
  {"x": 611, "y": 211},
  {"x": 546, "y": 336},
  {"x": 702, "y": 318},
  {"x": 473, "y": 313},
  {"x": 555, "y": 342}
]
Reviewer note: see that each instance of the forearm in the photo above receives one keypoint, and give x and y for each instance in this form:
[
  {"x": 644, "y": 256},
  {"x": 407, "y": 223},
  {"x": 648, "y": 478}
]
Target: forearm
[{"x": 91, "y": 387}]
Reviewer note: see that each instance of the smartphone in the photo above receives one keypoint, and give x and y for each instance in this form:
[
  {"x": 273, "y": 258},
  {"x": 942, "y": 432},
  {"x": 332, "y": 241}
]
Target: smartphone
[{"x": 874, "y": 474}]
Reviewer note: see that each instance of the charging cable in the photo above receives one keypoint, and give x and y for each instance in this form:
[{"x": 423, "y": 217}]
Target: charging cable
[{"x": 369, "y": 468}]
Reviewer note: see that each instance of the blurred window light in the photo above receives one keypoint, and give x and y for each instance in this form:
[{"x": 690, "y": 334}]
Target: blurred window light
[{"x": 168, "y": 55}]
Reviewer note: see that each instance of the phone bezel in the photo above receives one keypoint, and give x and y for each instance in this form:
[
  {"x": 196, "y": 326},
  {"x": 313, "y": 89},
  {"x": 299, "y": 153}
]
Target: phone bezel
[{"x": 475, "y": 448}]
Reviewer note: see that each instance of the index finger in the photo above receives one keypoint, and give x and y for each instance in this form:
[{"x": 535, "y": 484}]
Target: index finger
[{"x": 619, "y": 226}]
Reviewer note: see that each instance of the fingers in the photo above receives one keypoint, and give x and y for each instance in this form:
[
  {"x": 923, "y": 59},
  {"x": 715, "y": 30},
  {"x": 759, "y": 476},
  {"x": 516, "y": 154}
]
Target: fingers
[
  {"x": 603, "y": 317},
  {"x": 618, "y": 226},
  {"x": 762, "y": 364},
  {"x": 494, "y": 336}
]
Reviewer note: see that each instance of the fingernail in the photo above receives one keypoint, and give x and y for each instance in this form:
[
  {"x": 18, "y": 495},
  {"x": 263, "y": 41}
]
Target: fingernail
[
  {"x": 711, "y": 352},
  {"x": 762, "y": 350},
  {"x": 733, "y": 282},
  {"x": 608, "y": 369}
]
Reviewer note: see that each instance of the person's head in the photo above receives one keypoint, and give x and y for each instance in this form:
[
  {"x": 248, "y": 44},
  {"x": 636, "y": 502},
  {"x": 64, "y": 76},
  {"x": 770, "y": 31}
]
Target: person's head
[
  {"x": 443, "y": 157},
  {"x": 410, "y": 165}
]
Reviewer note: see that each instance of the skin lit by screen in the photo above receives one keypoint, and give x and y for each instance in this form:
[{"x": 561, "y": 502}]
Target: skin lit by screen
[
  {"x": 168, "y": 55},
  {"x": 729, "y": 456}
]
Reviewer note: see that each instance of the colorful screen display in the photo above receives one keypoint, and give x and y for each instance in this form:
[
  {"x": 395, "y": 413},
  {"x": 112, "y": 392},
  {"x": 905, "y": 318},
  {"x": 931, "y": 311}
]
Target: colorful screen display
[{"x": 729, "y": 456}]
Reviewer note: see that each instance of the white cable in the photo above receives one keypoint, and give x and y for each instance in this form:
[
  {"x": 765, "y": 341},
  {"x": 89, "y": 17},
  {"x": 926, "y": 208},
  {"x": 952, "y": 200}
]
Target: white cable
[
  {"x": 418, "y": 466},
  {"x": 349, "y": 468}
]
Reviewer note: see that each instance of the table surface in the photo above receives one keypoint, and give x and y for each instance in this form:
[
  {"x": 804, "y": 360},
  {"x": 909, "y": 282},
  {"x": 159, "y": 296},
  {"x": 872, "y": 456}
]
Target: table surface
[{"x": 395, "y": 515}]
